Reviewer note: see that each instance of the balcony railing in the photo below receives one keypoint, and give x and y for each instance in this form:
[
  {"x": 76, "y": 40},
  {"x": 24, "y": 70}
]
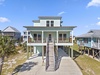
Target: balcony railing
[{"x": 68, "y": 40}]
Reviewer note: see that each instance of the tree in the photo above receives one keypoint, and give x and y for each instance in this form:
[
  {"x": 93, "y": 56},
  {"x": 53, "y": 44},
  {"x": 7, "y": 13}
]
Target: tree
[{"x": 7, "y": 47}]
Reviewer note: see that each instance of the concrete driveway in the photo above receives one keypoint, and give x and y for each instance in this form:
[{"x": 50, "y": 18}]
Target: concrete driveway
[{"x": 67, "y": 66}]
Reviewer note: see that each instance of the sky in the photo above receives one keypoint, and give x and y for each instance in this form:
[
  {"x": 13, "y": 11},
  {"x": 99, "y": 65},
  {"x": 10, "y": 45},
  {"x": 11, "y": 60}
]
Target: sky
[{"x": 85, "y": 14}]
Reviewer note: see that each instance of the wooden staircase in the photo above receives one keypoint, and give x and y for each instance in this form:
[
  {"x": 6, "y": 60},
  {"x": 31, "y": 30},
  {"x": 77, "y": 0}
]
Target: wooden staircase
[{"x": 50, "y": 57}]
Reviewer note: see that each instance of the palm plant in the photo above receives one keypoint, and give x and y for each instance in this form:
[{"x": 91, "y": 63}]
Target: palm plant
[{"x": 7, "y": 47}]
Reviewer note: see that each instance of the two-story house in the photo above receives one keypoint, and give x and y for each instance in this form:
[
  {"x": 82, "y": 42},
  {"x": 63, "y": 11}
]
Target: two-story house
[
  {"x": 12, "y": 32},
  {"x": 47, "y": 34}
]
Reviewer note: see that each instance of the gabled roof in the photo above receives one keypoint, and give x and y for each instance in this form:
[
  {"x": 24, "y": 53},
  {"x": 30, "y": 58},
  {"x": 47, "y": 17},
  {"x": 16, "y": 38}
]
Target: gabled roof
[
  {"x": 91, "y": 33},
  {"x": 10, "y": 29}
]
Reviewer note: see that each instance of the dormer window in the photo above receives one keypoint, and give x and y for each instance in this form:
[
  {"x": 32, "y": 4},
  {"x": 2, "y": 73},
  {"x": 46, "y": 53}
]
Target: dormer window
[
  {"x": 52, "y": 23},
  {"x": 47, "y": 23}
]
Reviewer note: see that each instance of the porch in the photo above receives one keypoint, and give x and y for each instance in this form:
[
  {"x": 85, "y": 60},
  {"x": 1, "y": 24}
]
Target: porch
[{"x": 57, "y": 36}]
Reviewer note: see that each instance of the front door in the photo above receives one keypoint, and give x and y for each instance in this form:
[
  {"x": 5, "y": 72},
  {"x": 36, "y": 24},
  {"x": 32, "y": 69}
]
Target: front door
[{"x": 49, "y": 37}]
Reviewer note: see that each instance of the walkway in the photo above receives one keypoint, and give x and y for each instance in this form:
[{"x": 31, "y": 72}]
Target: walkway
[{"x": 67, "y": 66}]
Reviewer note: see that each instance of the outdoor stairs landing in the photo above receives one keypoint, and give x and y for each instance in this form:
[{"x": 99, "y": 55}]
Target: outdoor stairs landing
[{"x": 51, "y": 58}]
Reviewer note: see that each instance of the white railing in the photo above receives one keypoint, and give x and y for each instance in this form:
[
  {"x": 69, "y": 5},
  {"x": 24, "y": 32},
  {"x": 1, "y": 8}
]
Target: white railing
[{"x": 96, "y": 45}]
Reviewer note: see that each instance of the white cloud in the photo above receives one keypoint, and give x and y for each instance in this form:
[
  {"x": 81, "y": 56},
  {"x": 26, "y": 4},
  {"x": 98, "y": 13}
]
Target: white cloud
[
  {"x": 94, "y": 3},
  {"x": 1, "y": 2},
  {"x": 98, "y": 18},
  {"x": 4, "y": 19},
  {"x": 98, "y": 23},
  {"x": 61, "y": 13}
]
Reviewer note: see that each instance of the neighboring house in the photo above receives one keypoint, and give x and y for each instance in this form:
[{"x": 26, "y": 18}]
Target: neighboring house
[
  {"x": 12, "y": 32},
  {"x": 25, "y": 36},
  {"x": 90, "y": 39},
  {"x": 48, "y": 28},
  {"x": 91, "y": 43}
]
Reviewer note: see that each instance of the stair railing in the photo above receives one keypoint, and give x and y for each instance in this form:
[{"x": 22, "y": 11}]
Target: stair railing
[{"x": 47, "y": 54}]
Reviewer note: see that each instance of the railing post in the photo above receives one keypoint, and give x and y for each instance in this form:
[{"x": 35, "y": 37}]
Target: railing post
[
  {"x": 42, "y": 36},
  {"x": 72, "y": 37},
  {"x": 57, "y": 36}
]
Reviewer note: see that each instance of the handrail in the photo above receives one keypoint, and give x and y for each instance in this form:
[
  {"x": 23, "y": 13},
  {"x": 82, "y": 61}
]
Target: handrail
[{"x": 47, "y": 54}]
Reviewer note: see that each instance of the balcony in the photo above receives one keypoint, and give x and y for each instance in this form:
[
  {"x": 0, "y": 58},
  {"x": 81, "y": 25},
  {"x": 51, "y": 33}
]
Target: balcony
[
  {"x": 65, "y": 40},
  {"x": 30, "y": 40},
  {"x": 39, "y": 40}
]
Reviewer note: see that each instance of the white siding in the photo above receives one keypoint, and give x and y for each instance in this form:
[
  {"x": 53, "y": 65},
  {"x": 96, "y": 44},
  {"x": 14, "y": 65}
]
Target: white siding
[
  {"x": 37, "y": 24},
  {"x": 43, "y": 22},
  {"x": 56, "y": 22}
]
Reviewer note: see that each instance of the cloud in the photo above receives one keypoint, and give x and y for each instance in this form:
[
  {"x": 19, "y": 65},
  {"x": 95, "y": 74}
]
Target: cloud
[
  {"x": 61, "y": 13},
  {"x": 94, "y": 3},
  {"x": 98, "y": 23},
  {"x": 4, "y": 19},
  {"x": 98, "y": 18},
  {"x": 1, "y": 2}
]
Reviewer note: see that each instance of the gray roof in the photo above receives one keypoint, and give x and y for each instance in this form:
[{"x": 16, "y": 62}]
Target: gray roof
[
  {"x": 10, "y": 29},
  {"x": 49, "y": 27},
  {"x": 49, "y": 17},
  {"x": 35, "y": 20},
  {"x": 91, "y": 33}
]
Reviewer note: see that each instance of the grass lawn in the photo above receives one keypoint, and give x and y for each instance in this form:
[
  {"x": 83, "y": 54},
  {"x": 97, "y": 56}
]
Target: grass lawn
[
  {"x": 88, "y": 65},
  {"x": 13, "y": 63}
]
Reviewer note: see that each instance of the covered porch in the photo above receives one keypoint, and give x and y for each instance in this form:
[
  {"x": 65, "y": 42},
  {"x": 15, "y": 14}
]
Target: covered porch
[{"x": 58, "y": 36}]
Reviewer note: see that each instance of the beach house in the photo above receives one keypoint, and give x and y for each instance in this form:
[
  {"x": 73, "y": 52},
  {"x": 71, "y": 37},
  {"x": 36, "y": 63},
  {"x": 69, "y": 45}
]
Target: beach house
[{"x": 47, "y": 34}]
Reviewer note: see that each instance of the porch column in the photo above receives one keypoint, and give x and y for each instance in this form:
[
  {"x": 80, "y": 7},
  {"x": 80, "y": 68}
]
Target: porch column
[
  {"x": 42, "y": 55},
  {"x": 72, "y": 52},
  {"x": 69, "y": 50},
  {"x": 57, "y": 36},
  {"x": 27, "y": 46},
  {"x": 27, "y": 53},
  {"x": 27, "y": 37},
  {"x": 42, "y": 36},
  {"x": 72, "y": 37},
  {"x": 30, "y": 50},
  {"x": 88, "y": 52},
  {"x": 93, "y": 53}
]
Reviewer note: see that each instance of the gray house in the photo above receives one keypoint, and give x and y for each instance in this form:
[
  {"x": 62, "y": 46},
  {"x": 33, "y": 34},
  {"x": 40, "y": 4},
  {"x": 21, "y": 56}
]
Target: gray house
[
  {"x": 91, "y": 42},
  {"x": 11, "y": 32}
]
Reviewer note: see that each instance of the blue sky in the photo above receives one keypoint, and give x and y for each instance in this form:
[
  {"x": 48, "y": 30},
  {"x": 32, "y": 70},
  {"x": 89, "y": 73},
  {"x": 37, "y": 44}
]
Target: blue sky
[{"x": 85, "y": 14}]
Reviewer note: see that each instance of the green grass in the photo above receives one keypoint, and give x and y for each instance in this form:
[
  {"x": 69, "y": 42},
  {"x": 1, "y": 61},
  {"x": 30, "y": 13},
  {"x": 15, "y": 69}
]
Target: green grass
[{"x": 88, "y": 66}]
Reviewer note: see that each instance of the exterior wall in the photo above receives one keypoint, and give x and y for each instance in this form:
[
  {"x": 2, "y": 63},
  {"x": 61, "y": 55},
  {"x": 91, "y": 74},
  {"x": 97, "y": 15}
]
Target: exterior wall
[
  {"x": 53, "y": 35},
  {"x": 13, "y": 35},
  {"x": 56, "y": 22},
  {"x": 36, "y": 24},
  {"x": 38, "y": 50},
  {"x": 82, "y": 40},
  {"x": 17, "y": 35}
]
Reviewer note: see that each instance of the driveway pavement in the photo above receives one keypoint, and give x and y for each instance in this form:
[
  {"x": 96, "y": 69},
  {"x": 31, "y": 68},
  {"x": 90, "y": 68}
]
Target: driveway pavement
[{"x": 67, "y": 66}]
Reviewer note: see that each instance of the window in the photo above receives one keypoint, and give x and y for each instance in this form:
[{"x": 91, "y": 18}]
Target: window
[
  {"x": 52, "y": 23},
  {"x": 64, "y": 36},
  {"x": 47, "y": 23},
  {"x": 85, "y": 40},
  {"x": 39, "y": 36},
  {"x": 28, "y": 32},
  {"x": 35, "y": 36},
  {"x": 60, "y": 36}
]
